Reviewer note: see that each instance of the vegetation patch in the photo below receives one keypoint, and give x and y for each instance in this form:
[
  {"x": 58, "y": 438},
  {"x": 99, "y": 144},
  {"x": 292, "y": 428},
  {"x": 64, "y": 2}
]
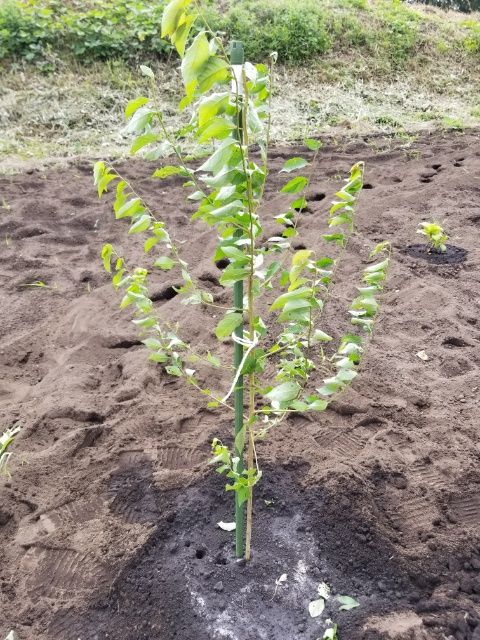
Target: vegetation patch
[{"x": 49, "y": 32}]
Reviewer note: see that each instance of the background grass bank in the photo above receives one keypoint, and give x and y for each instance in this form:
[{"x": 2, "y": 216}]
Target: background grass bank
[{"x": 344, "y": 66}]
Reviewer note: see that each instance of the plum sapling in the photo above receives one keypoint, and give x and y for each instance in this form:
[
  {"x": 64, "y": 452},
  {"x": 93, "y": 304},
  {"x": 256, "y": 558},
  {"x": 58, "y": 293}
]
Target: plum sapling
[{"x": 435, "y": 235}]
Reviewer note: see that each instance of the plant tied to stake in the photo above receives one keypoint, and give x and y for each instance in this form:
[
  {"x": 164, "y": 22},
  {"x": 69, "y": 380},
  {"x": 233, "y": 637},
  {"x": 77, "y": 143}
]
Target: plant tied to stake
[{"x": 282, "y": 364}]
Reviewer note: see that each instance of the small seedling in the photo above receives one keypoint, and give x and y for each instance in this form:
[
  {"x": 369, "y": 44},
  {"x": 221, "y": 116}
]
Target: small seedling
[
  {"x": 6, "y": 440},
  {"x": 331, "y": 633},
  {"x": 38, "y": 284},
  {"x": 435, "y": 234}
]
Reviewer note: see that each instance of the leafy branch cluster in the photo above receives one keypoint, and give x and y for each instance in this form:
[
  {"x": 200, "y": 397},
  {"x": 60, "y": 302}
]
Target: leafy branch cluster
[{"x": 229, "y": 107}]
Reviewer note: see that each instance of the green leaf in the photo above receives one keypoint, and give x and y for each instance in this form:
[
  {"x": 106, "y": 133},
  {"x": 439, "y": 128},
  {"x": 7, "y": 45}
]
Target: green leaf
[
  {"x": 339, "y": 238},
  {"x": 211, "y": 106},
  {"x": 164, "y": 262},
  {"x": 171, "y": 16},
  {"x": 220, "y": 157},
  {"x": 180, "y": 37},
  {"x": 293, "y": 164},
  {"x": 320, "y": 336},
  {"x": 302, "y": 292},
  {"x": 214, "y": 71},
  {"x": 313, "y": 145},
  {"x": 318, "y": 405},
  {"x": 147, "y": 71},
  {"x": 379, "y": 266},
  {"x": 133, "y": 105},
  {"x": 104, "y": 182},
  {"x": 142, "y": 141},
  {"x": 255, "y": 362},
  {"x": 379, "y": 248},
  {"x": 158, "y": 357},
  {"x": 232, "y": 275},
  {"x": 347, "y": 603},
  {"x": 283, "y": 393},
  {"x": 174, "y": 370},
  {"x": 98, "y": 171},
  {"x": 142, "y": 224},
  {"x": 228, "y": 324},
  {"x": 166, "y": 172},
  {"x": 331, "y": 633},
  {"x": 129, "y": 208},
  {"x": 152, "y": 343},
  {"x": 195, "y": 57},
  {"x": 295, "y": 185},
  {"x": 218, "y": 128},
  {"x": 150, "y": 243},
  {"x": 107, "y": 251}
]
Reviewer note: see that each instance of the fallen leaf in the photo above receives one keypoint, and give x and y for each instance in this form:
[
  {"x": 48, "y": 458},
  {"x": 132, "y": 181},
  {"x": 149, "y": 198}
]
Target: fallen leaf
[
  {"x": 347, "y": 603},
  {"x": 323, "y": 590},
  {"x": 316, "y": 607}
]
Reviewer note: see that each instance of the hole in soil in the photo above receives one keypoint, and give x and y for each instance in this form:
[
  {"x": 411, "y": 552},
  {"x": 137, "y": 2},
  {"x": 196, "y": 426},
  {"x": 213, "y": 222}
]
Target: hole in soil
[
  {"x": 200, "y": 554},
  {"x": 475, "y": 219},
  {"x": 209, "y": 277},
  {"x": 222, "y": 263},
  {"x": 458, "y": 164},
  {"x": 302, "y": 209},
  {"x": 368, "y": 186},
  {"x": 453, "y": 254},
  {"x": 425, "y": 180},
  {"x": 125, "y": 344},
  {"x": 32, "y": 232},
  {"x": 436, "y": 166},
  {"x": 94, "y": 417},
  {"x": 396, "y": 180},
  {"x": 166, "y": 294},
  {"x": 453, "y": 341},
  {"x": 299, "y": 246},
  {"x": 5, "y": 516},
  {"x": 317, "y": 197}
]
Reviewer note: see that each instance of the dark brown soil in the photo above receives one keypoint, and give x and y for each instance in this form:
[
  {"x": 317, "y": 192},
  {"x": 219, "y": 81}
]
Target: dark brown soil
[
  {"x": 452, "y": 255},
  {"x": 108, "y": 524}
]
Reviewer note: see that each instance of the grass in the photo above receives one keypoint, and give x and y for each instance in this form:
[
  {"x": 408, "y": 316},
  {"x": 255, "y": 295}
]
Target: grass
[{"x": 385, "y": 67}]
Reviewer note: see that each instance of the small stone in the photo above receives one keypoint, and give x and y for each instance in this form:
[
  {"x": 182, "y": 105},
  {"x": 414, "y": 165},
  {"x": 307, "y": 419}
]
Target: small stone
[{"x": 218, "y": 586}]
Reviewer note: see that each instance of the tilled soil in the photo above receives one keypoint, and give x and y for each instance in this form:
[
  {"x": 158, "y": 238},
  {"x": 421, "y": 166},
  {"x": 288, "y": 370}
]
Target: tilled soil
[{"x": 108, "y": 524}]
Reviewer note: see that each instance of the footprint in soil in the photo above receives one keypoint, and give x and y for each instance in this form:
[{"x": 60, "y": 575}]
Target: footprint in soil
[
  {"x": 35, "y": 530},
  {"x": 57, "y": 573}
]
